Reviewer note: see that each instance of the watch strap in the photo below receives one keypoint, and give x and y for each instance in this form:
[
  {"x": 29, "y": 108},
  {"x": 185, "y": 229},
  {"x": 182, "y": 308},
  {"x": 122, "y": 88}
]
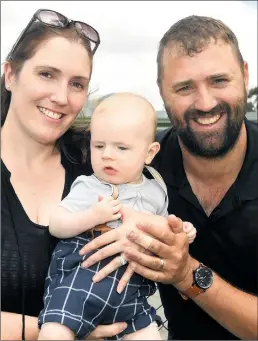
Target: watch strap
[{"x": 191, "y": 292}]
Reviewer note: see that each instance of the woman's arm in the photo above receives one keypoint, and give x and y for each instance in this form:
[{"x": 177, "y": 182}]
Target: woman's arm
[
  {"x": 66, "y": 224},
  {"x": 11, "y": 327}
]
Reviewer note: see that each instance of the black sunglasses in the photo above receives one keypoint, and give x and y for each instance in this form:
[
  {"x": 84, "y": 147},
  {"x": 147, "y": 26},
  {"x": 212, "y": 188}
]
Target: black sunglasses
[{"x": 54, "y": 19}]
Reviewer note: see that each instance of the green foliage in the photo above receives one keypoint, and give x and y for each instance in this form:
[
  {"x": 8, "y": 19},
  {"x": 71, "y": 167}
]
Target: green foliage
[
  {"x": 253, "y": 92},
  {"x": 252, "y": 103}
]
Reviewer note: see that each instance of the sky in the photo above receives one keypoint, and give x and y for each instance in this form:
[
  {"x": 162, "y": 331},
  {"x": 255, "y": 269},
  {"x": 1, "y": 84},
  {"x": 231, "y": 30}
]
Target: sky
[{"x": 130, "y": 32}]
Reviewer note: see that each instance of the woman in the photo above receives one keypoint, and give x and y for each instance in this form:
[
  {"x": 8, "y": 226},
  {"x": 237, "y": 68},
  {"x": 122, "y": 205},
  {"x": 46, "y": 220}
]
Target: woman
[{"x": 44, "y": 87}]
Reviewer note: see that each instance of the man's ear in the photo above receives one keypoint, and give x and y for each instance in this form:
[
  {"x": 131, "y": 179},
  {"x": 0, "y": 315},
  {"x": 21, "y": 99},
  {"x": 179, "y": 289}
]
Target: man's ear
[
  {"x": 153, "y": 149},
  {"x": 246, "y": 75}
]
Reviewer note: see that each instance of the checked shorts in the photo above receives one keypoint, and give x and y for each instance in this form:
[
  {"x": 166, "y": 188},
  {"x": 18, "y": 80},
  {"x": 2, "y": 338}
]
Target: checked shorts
[{"x": 72, "y": 299}]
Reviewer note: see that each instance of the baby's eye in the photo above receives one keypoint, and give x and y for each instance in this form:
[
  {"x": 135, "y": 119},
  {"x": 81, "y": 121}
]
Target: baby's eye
[
  {"x": 98, "y": 147},
  {"x": 122, "y": 148}
]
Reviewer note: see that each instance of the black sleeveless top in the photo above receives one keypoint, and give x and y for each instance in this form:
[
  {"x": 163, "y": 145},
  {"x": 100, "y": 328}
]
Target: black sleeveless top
[{"x": 26, "y": 247}]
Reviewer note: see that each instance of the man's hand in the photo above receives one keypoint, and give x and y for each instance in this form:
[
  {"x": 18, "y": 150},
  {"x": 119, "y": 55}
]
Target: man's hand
[
  {"x": 170, "y": 262},
  {"x": 154, "y": 236},
  {"x": 107, "y": 209},
  {"x": 114, "y": 242}
]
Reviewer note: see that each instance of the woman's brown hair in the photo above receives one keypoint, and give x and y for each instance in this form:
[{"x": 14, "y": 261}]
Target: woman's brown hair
[{"x": 75, "y": 137}]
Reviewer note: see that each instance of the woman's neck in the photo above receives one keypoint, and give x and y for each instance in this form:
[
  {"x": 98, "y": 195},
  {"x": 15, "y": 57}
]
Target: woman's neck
[
  {"x": 219, "y": 169},
  {"x": 18, "y": 147}
]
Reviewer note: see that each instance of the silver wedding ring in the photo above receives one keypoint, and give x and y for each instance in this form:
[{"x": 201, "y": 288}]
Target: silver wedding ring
[
  {"x": 122, "y": 260},
  {"x": 161, "y": 264}
]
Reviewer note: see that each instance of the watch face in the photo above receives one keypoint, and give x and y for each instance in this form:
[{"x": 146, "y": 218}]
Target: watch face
[{"x": 203, "y": 277}]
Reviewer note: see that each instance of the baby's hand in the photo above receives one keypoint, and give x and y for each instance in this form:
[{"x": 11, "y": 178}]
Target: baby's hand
[
  {"x": 107, "y": 209},
  {"x": 190, "y": 230}
]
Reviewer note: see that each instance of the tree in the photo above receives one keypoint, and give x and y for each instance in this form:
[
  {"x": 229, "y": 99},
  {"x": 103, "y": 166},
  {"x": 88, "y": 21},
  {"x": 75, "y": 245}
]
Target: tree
[
  {"x": 253, "y": 99},
  {"x": 249, "y": 107}
]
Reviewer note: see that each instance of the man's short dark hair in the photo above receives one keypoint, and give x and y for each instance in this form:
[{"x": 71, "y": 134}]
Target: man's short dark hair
[{"x": 192, "y": 34}]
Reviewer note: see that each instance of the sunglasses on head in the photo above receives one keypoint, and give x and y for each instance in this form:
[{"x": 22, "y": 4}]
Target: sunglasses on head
[{"x": 56, "y": 20}]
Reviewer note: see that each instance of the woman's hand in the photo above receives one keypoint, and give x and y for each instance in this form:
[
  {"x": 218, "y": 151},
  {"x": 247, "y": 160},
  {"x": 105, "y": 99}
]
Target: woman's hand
[{"x": 103, "y": 331}]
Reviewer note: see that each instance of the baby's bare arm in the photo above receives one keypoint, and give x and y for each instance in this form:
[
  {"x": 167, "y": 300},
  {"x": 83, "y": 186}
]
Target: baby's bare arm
[{"x": 66, "y": 224}]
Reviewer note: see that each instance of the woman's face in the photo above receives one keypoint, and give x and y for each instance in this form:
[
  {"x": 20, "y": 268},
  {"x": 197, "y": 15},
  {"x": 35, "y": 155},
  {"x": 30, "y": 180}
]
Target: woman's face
[{"x": 50, "y": 90}]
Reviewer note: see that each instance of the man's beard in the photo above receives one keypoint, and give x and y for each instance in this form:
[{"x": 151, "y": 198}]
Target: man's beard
[{"x": 202, "y": 144}]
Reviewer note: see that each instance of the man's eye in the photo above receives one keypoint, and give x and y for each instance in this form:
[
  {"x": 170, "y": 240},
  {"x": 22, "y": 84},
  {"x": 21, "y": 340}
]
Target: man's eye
[
  {"x": 184, "y": 89},
  {"x": 220, "y": 81},
  {"x": 46, "y": 74}
]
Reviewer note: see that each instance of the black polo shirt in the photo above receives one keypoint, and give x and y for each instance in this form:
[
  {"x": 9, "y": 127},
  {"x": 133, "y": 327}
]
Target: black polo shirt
[{"x": 226, "y": 240}]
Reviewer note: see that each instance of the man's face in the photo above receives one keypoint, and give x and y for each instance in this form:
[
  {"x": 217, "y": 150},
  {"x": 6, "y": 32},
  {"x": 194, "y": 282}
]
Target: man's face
[{"x": 205, "y": 97}]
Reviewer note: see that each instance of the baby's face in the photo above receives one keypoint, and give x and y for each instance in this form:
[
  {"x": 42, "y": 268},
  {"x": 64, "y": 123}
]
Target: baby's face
[{"x": 119, "y": 148}]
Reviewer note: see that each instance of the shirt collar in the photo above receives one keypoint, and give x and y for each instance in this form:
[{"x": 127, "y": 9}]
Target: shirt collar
[{"x": 169, "y": 160}]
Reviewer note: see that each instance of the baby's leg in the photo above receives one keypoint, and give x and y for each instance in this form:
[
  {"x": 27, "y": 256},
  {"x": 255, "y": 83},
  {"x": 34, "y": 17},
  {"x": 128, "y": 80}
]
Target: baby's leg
[
  {"x": 55, "y": 331},
  {"x": 148, "y": 333}
]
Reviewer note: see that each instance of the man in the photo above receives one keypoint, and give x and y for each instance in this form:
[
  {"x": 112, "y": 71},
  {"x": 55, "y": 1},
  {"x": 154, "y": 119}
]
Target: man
[{"x": 209, "y": 161}]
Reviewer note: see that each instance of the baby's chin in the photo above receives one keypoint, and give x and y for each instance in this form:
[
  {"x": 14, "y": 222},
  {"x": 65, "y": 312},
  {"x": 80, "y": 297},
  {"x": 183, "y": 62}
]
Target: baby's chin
[
  {"x": 111, "y": 179},
  {"x": 115, "y": 179}
]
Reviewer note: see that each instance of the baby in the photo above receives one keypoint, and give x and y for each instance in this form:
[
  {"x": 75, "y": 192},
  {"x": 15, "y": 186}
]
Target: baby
[{"x": 123, "y": 129}]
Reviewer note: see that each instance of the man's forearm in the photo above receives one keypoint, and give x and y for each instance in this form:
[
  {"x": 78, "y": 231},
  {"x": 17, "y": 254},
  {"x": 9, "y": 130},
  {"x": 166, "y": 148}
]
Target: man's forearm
[{"x": 234, "y": 309}]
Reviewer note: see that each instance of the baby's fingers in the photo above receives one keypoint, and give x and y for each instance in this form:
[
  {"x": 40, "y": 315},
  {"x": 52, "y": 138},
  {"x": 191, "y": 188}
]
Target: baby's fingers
[
  {"x": 115, "y": 202},
  {"x": 116, "y": 216},
  {"x": 116, "y": 208},
  {"x": 187, "y": 227},
  {"x": 191, "y": 235}
]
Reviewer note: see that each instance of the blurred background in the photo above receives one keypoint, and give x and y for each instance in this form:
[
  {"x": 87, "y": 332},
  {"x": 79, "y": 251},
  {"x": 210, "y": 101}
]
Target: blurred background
[{"x": 130, "y": 32}]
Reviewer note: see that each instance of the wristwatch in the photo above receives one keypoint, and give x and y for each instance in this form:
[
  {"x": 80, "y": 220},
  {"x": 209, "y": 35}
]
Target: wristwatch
[{"x": 203, "y": 279}]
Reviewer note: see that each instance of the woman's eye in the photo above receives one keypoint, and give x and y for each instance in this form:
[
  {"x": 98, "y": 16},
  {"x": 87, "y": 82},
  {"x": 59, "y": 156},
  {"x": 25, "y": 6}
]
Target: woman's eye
[
  {"x": 77, "y": 85},
  {"x": 98, "y": 147}
]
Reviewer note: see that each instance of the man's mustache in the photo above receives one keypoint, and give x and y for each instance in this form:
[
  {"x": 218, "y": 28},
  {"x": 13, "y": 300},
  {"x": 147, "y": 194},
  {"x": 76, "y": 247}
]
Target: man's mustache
[{"x": 193, "y": 113}]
